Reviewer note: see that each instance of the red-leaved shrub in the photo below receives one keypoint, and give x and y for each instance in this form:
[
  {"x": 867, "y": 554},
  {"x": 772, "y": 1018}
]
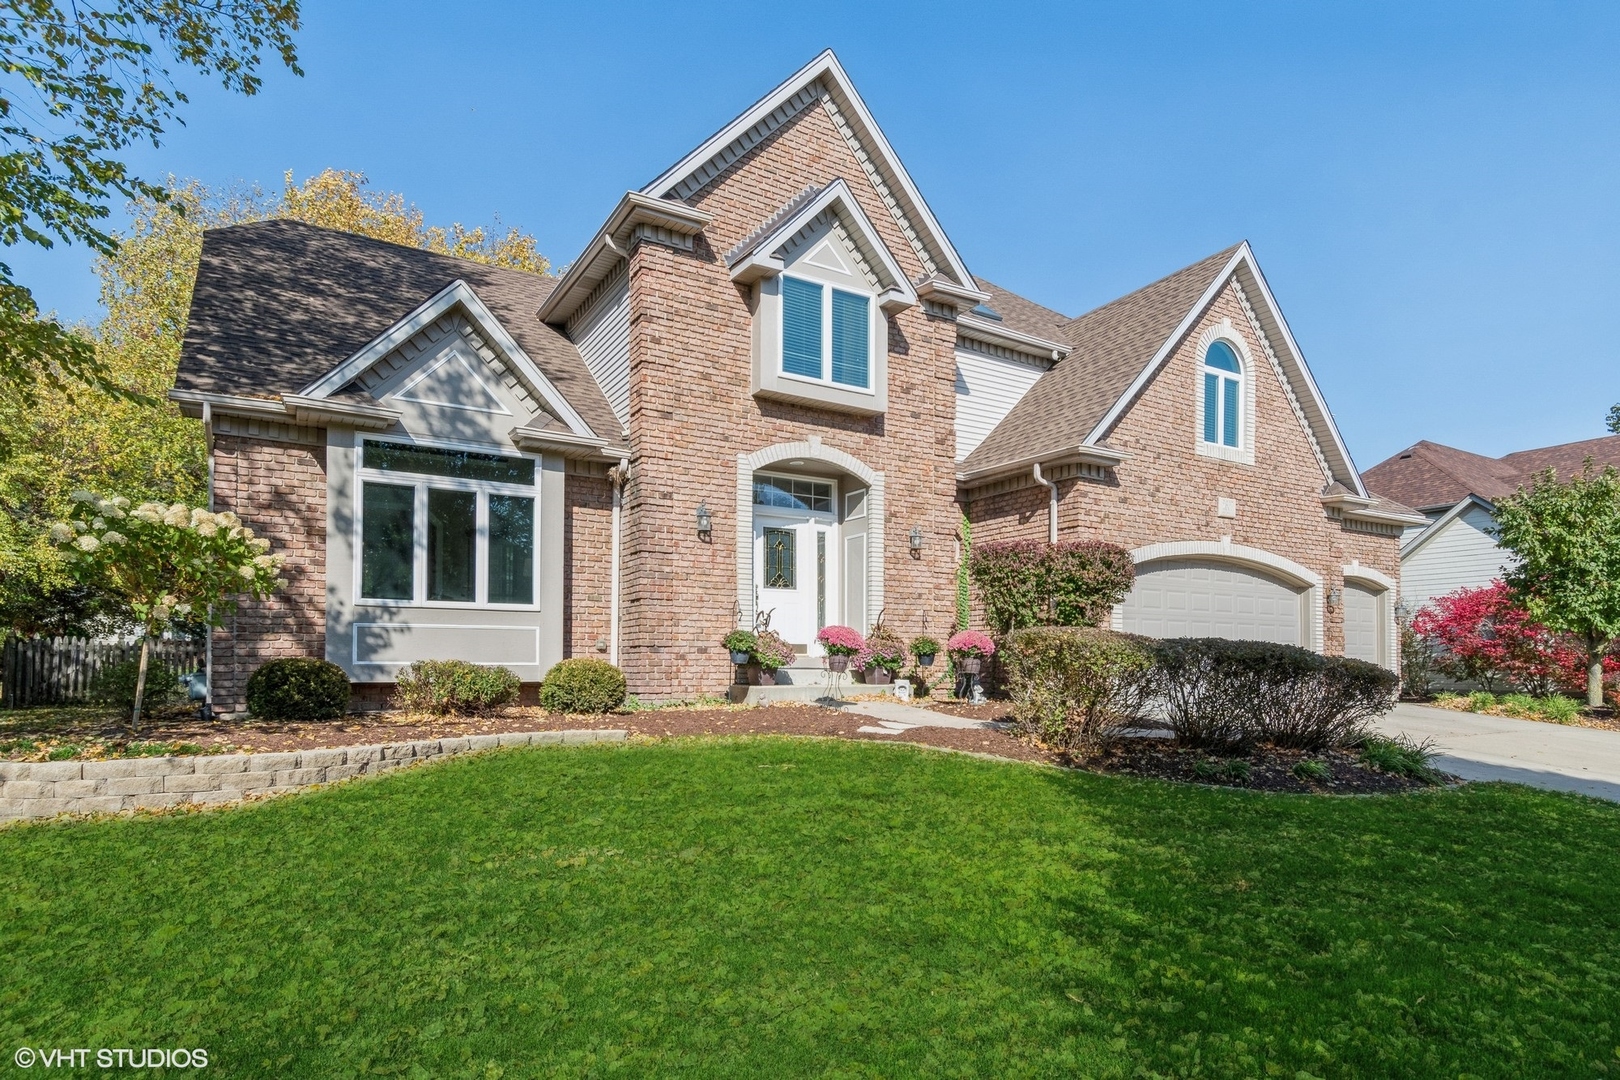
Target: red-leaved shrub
[{"x": 1481, "y": 635}]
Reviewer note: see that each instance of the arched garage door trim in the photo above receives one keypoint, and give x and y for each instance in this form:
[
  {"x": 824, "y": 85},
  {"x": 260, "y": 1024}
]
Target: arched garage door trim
[
  {"x": 1380, "y": 581},
  {"x": 1258, "y": 558}
]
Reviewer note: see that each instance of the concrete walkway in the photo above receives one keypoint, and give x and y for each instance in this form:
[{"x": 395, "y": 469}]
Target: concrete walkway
[
  {"x": 895, "y": 718},
  {"x": 1551, "y": 756}
]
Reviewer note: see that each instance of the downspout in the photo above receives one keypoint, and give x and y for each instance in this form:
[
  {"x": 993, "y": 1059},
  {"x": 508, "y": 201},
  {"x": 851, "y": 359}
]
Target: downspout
[
  {"x": 1051, "y": 504},
  {"x": 208, "y": 631},
  {"x": 617, "y": 476}
]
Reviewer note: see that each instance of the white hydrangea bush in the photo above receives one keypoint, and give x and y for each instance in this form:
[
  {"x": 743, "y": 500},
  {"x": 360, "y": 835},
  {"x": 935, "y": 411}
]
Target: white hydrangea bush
[{"x": 166, "y": 559}]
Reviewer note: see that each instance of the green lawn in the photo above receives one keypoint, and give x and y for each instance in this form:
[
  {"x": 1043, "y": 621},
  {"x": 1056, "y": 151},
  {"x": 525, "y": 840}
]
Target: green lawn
[{"x": 775, "y": 907}]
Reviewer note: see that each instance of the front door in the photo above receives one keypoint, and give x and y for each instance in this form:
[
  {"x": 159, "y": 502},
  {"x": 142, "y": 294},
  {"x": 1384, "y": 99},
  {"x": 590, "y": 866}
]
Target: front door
[{"x": 795, "y": 557}]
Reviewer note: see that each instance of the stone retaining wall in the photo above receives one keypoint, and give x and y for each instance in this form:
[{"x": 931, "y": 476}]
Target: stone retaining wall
[{"x": 47, "y": 788}]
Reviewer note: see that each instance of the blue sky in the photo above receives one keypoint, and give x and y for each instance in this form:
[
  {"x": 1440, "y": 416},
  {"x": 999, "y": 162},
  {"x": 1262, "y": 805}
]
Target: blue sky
[{"x": 1431, "y": 190}]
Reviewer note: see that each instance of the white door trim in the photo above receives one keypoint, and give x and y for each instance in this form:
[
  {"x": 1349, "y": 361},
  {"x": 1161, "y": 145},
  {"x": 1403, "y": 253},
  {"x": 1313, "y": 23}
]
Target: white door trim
[{"x": 811, "y": 450}]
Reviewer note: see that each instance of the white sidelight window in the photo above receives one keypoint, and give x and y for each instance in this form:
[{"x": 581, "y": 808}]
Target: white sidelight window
[{"x": 445, "y": 527}]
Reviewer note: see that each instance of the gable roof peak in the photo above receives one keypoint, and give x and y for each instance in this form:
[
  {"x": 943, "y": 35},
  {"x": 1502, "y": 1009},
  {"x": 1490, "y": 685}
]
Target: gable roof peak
[{"x": 823, "y": 80}]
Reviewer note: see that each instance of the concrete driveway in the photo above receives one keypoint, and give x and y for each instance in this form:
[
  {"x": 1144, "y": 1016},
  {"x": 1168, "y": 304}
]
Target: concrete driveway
[{"x": 1552, "y": 756}]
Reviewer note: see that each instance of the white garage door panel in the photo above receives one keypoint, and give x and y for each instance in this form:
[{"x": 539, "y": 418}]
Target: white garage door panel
[
  {"x": 1361, "y": 629},
  {"x": 1191, "y": 598}
]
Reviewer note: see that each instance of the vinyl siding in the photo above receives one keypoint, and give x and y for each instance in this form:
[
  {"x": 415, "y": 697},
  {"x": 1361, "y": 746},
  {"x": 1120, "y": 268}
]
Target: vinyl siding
[
  {"x": 987, "y": 388},
  {"x": 603, "y": 340},
  {"x": 1461, "y": 554}
]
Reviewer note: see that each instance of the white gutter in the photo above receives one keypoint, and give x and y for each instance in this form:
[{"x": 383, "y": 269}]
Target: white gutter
[
  {"x": 1051, "y": 505},
  {"x": 617, "y": 476}
]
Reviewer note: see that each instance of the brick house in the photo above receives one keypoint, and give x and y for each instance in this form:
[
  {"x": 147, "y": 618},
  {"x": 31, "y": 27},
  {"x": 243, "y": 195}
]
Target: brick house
[{"x": 769, "y": 384}]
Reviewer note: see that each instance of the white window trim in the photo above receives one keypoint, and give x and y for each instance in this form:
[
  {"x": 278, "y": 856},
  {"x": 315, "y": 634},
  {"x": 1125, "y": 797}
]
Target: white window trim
[
  {"x": 421, "y": 482},
  {"x": 826, "y": 335},
  {"x": 1243, "y": 452},
  {"x": 827, "y": 515}
]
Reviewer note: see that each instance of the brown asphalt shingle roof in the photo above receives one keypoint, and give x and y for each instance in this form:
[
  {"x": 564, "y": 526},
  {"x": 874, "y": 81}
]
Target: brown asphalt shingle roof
[
  {"x": 280, "y": 303},
  {"x": 1112, "y": 345},
  {"x": 1024, "y": 316},
  {"x": 1431, "y": 475}
]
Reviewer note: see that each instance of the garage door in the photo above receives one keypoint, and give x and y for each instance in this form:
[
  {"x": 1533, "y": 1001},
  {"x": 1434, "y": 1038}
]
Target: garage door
[
  {"x": 1195, "y": 598},
  {"x": 1363, "y": 628}
]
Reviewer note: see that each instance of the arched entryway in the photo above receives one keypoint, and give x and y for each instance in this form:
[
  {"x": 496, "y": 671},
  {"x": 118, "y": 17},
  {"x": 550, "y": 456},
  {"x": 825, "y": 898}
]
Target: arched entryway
[{"x": 810, "y": 523}]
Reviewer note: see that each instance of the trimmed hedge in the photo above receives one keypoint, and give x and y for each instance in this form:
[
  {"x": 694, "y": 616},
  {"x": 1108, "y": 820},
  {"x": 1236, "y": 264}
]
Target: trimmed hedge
[
  {"x": 455, "y": 686},
  {"x": 1029, "y": 583},
  {"x": 115, "y": 685},
  {"x": 298, "y": 688},
  {"x": 1232, "y": 694},
  {"x": 1074, "y": 687},
  {"x": 583, "y": 685}
]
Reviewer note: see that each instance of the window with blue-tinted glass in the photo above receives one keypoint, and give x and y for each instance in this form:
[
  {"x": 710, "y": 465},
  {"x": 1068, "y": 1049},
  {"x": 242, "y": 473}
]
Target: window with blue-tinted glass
[
  {"x": 801, "y": 328},
  {"x": 1223, "y": 396},
  {"x": 851, "y": 338}
]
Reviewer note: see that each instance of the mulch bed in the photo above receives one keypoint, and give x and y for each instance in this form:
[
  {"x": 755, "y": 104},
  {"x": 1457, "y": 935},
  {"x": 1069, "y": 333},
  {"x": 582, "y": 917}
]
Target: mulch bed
[{"x": 1268, "y": 769}]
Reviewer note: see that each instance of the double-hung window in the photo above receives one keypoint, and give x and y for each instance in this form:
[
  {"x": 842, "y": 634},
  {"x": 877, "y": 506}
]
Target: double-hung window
[
  {"x": 1223, "y": 396},
  {"x": 826, "y": 334},
  {"x": 445, "y": 526}
]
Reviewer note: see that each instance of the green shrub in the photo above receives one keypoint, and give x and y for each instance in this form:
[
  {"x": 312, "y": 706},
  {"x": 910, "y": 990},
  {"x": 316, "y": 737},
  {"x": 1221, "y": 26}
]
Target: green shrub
[
  {"x": 1401, "y": 756},
  {"x": 1028, "y": 583},
  {"x": 1230, "y": 771},
  {"x": 1522, "y": 705},
  {"x": 1230, "y": 694},
  {"x": 1558, "y": 708},
  {"x": 114, "y": 686},
  {"x": 1418, "y": 663},
  {"x": 298, "y": 688},
  {"x": 1312, "y": 772},
  {"x": 455, "y": 686},
  {"x": 583, "y": 686},
  {"x": 1074, "y": 687},
  {"x": 1480, "y": 700}
]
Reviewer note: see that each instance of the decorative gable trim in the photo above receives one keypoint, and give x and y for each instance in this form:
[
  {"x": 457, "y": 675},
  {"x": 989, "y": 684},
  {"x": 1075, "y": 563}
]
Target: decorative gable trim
[
  {"x": 761, "y": 255},
  {"x": 824, "y": 80},
  {"x": 1440, "y": 523},
  {"x": 1316, "y": 420},
  {"x": 457, "y": 293},
  {"x": 1282, "y": 377}
]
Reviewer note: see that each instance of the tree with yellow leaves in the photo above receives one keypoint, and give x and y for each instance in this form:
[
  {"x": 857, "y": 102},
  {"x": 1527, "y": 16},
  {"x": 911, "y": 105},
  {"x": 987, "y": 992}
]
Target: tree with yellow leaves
[{"x": 138, "y": 444}]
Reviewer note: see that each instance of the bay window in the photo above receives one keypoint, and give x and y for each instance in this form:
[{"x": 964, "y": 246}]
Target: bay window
[{"x": 450, "y": 527}]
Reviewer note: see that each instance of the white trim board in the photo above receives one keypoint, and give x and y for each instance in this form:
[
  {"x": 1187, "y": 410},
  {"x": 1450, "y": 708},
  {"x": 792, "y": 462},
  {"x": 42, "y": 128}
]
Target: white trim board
[{"x": 1435, "y": 527}]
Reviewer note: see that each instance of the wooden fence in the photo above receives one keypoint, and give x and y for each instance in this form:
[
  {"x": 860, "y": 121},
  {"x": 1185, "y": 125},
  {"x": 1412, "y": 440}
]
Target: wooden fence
[{"x": 58, "y": 671}]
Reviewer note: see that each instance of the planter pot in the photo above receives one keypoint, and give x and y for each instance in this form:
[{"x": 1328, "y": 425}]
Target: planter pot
[
  {"x": 925, "y": 659},
  {"x": 747, "y": 675},
  {"x": 767, "y": 678},
  {"x": 970, "y": 664},
  {"x": 739, "y": 658},
  {"x": 837, "y": 663},
  {"x": 877, "y": 676}
]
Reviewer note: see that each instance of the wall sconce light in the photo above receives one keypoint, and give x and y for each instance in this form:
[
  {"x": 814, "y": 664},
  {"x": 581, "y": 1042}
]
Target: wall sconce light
[
  {"x": 1335, "y": 597},
  {"x": 916, "y": 540},
  {"x": 705, "y": 521}
]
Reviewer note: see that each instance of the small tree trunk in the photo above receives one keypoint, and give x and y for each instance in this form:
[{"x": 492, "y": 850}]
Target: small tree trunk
[
  {"x": 140, "y": 683},
  {"x": 1594, "y": 681}
]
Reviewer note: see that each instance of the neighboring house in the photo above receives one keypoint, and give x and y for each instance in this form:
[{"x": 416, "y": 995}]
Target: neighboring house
[
  {"x": 768, "y": 385},
  {"x": 1456, "y": 491}
]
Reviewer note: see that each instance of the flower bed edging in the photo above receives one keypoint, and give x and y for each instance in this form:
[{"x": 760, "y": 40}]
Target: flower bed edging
[{"x": 41, "y": 789}]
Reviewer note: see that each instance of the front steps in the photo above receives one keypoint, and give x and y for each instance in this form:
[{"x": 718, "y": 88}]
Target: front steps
[{"x": 806, "y": 684}]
